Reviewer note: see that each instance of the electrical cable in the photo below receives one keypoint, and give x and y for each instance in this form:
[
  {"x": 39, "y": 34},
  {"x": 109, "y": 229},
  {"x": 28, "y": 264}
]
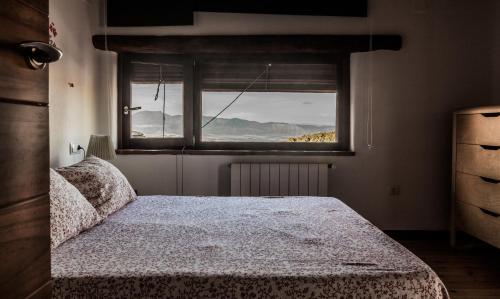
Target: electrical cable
[
  {"x": 163, "y": 110},
  {"x": 182, "y": 170},
  {"x": 108, "y": 69},
  {"x": 81, "y": 148},
  {"x": 369, "y": 117},
  {"x": 176, "y": 176}
]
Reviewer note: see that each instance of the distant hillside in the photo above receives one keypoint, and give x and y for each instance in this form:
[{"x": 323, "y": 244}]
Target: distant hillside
[
  {"x": 149, "y": 123},
  {"x": 317, "y": 137}
]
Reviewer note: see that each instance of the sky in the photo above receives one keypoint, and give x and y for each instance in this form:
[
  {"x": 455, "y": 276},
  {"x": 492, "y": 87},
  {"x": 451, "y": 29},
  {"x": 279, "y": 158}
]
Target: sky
[{"x": 298, "y": 108}]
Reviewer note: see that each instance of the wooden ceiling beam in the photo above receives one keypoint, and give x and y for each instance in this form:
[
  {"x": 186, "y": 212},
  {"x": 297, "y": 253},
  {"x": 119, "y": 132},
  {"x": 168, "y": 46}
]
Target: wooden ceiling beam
[
  {"x": 249, "y": 44},
  {"x": 126, "y": 13},
  {"x": 343, "y": 8}
]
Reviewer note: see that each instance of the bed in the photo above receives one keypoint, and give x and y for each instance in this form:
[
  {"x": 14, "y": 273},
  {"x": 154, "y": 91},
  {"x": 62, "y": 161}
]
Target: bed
[{"x": 238, "y": 247}]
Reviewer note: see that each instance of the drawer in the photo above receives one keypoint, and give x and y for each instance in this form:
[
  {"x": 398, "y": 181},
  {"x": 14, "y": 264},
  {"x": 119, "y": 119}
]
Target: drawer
[
  {"x": 478, "y": 128},
  {"x": 479, "y": 223},
  {"x": 478, "y": 191},
  {"x": 479, "y": 160}
]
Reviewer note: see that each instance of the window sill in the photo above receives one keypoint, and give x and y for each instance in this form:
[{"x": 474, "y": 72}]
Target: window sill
[{"x": 233, "y": 152}]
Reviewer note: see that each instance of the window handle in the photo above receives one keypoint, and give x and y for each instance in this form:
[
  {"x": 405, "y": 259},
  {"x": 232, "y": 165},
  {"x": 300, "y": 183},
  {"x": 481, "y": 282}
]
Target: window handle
[{"x": 126, "y": 109}]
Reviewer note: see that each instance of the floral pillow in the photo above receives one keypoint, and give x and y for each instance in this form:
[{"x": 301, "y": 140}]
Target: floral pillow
[
  {"x": 70, "y": 212},
  {"x": 102, "y": 184}
]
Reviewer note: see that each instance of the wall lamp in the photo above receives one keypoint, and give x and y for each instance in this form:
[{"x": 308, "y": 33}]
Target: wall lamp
[{"x": 38, "y": 54}]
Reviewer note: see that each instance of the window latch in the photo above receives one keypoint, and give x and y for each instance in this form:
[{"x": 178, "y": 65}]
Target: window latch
[{"x": 126, "y": 109}]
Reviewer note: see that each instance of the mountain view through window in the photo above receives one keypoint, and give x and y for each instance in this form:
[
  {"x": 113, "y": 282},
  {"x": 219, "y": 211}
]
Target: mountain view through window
[
  {"x": 254, "y": 117},
  {"x": 269, "y": 117}
]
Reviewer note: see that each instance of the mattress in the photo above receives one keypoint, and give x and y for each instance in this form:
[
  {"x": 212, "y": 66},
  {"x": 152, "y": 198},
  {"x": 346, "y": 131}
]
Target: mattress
[{"x": 238, "y": 247}]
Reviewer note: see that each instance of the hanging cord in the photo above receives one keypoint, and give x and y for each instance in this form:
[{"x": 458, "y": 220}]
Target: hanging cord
[
  {"x": 177, "y": 172},
  {"x": 160, "y": 81},
  {"x": 369, "y": 117},
  {"x": 182, "y": 170},
  {"x": 158, "y": 86},
  {"x": 107, "y": 68},
  {"x": 268, "y": 76},
  {"x": 238, "y": 96},
  {"x": 176, "y": 176},
  {"x": 163, "y": 111}
]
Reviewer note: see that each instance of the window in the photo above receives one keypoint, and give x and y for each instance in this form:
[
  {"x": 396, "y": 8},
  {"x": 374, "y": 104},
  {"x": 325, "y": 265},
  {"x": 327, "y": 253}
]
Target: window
[
  {"x": 156, "y": 94},
  {"x": 160, "y": 118},
  {"x": 234, "y": 103}
]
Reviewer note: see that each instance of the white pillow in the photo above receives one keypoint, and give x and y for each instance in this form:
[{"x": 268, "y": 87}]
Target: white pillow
[
  {"x": 70, "y": 212},
  {"x": 102, "y": 184}
]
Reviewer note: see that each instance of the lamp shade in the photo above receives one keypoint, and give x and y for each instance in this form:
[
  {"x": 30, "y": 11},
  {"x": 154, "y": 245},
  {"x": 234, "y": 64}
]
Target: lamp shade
[{"x": 101, "y": 147}]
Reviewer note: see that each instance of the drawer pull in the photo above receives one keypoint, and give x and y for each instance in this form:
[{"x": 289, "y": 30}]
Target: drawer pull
[
  {"x": 490, "y": 147},
  {"x": 490, "y": 213},
  {"x": 491, "y": 114},
  {"x": 488, "y": 180}
]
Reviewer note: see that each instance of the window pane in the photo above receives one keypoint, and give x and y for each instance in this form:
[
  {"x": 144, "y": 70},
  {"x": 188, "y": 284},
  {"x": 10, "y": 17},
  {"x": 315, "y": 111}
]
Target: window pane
[
  {"x": 149, "y": 121},
  {"x": 269, "y": 117},
  {"x": 268, "y": 102}
]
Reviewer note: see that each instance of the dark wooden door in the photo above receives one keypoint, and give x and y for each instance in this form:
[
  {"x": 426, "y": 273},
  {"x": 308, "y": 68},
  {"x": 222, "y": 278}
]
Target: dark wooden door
[{"x": 24, "y": 155}]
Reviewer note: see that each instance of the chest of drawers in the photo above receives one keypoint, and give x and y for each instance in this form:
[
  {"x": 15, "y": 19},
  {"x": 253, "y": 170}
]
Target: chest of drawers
[{"x": 476, "y": 173}]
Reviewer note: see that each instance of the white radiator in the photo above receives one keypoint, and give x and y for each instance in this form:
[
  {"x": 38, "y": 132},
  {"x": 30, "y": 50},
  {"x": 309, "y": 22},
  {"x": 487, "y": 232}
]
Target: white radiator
[{"x": 279, "y": 179}]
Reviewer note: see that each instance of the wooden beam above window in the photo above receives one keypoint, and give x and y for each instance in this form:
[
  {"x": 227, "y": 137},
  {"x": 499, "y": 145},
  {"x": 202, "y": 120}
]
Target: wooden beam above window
[
  {"x": 345, "y": 8},
  {"x": 248, "y": 44},
  {"x": 126, "y": 13}
]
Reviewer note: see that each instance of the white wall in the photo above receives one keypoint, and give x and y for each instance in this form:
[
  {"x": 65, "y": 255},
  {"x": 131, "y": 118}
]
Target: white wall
[
  {"x": 448, "y": 61},
  {"x": 75, "y": 112}
]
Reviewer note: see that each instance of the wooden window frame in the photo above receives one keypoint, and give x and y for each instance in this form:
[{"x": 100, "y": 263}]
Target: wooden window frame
[
  {"x": 193, "y": 104},
  {"x": 124, "y": 99}
]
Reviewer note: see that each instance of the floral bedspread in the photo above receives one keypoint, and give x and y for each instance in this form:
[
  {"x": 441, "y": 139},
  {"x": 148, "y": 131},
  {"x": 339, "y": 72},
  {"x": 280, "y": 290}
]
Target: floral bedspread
[{"x": 238, "y": 247}]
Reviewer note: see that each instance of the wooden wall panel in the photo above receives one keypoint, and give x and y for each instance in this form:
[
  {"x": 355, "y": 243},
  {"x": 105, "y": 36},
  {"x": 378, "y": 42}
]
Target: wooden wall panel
[
  {"x": 23, "y": 22},
  {"x": 24, "y": 152},
  {"x": 25, "y": 248},
  {"x": 41, "y": 5},
  {"x": 43, "y": 292},
  {"x": 24, "y": 155},
  {"x": 17, "y": 81}
]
